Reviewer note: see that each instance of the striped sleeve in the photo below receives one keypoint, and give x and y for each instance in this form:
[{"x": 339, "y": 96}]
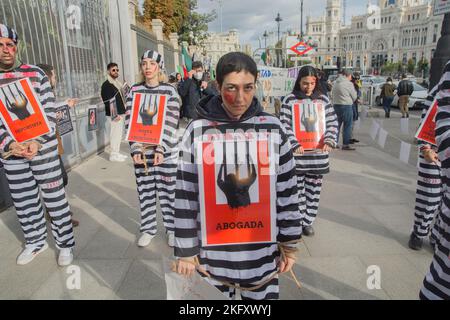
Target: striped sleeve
[
  {"x": 427, "y": 104},
  {"x": 135, "y": 147},
  {"x": 331, "y": 124},
  {"x": 47, "y": 98},
  {"x": 187, "y": 205},
  {"x": 286, "y": 121},
  {"x": 288, "y": 213},
  {"x": 170, "y": 141},
  {"x": 5, "y": 138}
]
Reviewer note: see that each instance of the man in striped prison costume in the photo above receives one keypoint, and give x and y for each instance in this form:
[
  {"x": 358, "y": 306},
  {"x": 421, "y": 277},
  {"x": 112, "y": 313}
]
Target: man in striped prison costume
[
  {"x": 250, "y": 266},
  {"x": 310, "y": 167},
  {"x": 30, "y": 170},
  {"x": 429, "y": 189},
  {"x": 436, "y": 284},
  {"x": 158, "y": 176}
]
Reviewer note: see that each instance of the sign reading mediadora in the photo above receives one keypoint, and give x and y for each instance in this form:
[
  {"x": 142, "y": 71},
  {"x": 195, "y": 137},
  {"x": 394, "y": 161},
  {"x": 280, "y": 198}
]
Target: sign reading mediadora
[{"x": 441, "y": 7}]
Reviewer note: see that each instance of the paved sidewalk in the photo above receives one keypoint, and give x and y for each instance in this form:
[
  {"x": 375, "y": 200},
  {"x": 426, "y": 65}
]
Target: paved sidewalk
[{"x": 365, "y": 219}]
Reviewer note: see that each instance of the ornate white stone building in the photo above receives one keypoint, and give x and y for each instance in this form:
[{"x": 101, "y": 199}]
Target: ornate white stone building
[
  {"x": 219, "y": 44},
  {"x": 389, "y": 31}
]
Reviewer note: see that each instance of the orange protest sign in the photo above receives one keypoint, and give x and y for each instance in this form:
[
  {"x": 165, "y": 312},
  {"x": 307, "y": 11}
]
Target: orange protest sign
[
  {"x": 21, "y": 111},
  {"x": 237, "y": 187},
  {"x": 426, "y": 131},
  {"x": 309, "y": 124},
  {"x": 148, "y": 117}
]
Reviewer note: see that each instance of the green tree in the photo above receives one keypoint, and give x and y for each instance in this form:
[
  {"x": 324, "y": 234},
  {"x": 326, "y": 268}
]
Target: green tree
[
  {"x": 411, "y": 66},
  {"x": 159, "y": 9},
  {"x": 194, "y": 29}
]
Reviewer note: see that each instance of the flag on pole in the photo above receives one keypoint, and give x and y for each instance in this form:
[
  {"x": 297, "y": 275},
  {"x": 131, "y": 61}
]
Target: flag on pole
[{"x": 187, "y": 62}]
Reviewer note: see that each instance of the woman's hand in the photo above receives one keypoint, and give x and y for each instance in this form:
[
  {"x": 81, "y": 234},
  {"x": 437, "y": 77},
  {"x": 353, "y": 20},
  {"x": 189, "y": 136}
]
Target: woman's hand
[
  {"x": 430, "y": 156},
  {"x": 299, "y": 150},
  {"x": 286, "y": 265},
  {"x": 186, "y": 267},
  {"x": 327, "y": 148},
  {"x": 159, "y": 159},
  {"x": 137, "y": 158}
]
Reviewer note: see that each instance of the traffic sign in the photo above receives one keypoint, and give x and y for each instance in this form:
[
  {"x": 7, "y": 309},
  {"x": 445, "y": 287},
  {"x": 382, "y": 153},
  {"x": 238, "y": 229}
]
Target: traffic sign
[
  {"x": 301, "y": 48},
  {"x": 441, "y": 7}
]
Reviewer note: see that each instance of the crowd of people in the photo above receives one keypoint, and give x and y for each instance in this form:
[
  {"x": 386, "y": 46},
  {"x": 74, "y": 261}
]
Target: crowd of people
[{"x": 221, "y": 153}]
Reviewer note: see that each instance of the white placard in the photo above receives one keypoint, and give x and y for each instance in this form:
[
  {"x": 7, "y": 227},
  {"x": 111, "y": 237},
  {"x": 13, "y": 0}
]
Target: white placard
[
  {"x": 382, "y": 137},
  {"x": 374, "y": 130},
  {"x": 405, "y": 151},
  {"x": 441, "y": 7}
]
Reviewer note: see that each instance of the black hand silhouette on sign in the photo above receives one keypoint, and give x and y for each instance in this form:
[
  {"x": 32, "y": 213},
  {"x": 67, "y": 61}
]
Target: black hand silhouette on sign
[
  {"x": 18, "y": 107},
  {"x": 237, "y": 189},
  {"x": 310, "y": 122},
  {"x": 146, "y": 112}
]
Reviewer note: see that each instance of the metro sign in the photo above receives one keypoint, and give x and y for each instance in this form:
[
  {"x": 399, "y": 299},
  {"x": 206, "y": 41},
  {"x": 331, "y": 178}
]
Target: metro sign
[{"x": 301, "y": 48}]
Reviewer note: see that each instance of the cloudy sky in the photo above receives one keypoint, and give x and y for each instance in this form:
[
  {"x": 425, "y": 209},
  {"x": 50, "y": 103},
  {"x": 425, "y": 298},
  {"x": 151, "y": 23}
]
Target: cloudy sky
[{"x": 252, "y": 17}]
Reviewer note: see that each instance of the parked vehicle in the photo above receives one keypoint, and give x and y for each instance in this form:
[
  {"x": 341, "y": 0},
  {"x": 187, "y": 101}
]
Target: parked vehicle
[{"x": 415, "y": 101}]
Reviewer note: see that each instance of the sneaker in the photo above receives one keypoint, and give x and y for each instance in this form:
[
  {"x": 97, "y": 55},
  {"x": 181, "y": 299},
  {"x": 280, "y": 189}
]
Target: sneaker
[
  {"x": 116, "y": 158},
  {"x": 145, "y": 240},
  {"x": 28, "y": 254},
  {"x": 171, "y": 239},
  {"x": 65, "y": 257},
  {"x": 415, "y": 243},
  {"x": 308, "y": 231},
  {"x": 348, "y": 148}
]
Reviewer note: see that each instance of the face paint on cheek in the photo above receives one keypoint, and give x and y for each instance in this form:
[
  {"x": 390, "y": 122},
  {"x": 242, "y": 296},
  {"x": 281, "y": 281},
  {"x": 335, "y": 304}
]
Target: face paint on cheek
[{"x": 229, "y": 97}]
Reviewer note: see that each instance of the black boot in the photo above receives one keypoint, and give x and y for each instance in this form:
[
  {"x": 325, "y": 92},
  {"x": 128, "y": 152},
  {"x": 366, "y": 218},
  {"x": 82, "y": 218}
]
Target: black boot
[
  {"x": 308, "y": 231},
  {"x": 386, "y": 114},
  {"x": 415, "y": 243},
  {"x": 389, "y": 114}
]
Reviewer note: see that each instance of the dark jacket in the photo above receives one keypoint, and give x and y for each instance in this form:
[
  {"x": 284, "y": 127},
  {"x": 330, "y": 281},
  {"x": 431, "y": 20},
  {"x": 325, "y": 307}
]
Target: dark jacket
[
  {"x": 110, "y": 91},
  {"x": 191, "y": 94},
  {"x": 405, "y": 88}
]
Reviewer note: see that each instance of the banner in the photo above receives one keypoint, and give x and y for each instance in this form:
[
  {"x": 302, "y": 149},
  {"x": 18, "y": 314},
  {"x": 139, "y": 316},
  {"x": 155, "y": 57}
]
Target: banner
[
  {"x": 277, "y": 82},
  {"x": 148, "y": 117},
  {"x": 309, "y": 124},
  {"x": 125, "y": 91},
  {"x": 64, "y": 120},
  {"x": 92, "y": 119},
  {"x": 21, "y": 111},
  {"x": 237, "y": 187},
  {"x": 426, "y": 131}
]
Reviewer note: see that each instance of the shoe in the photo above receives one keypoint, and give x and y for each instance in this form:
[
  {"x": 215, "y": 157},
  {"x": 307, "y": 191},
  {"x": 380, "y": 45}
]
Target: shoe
[
  {"x": 116, "y": 158},
  {"x": 415, "y": 243},
  {"x": 145, "y": 240},
  {"x": 65, "y": 257},
  {"x": 308, "y": 231},
  {"x": 28, "y": 254},
  {"x": 171, "y": 239},
  {"x": 354, "y": 141},
  {"x": 75, "y": 223},
  {"x": 407, "y": 115},
  {"x": 386, "y": 115},
  {"x": 348, "y": 148}
]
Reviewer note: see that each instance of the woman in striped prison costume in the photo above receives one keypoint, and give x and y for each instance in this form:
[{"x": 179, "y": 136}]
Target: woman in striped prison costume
[
  {"x": 156, "y": 177},
  {"x": 429, "y": 189},
  {"x": 310, "y": 166},
  {"x": 436, "y": 284},
  {"x": 251, "y": 266},
  {"x": 32, "y": 172}
]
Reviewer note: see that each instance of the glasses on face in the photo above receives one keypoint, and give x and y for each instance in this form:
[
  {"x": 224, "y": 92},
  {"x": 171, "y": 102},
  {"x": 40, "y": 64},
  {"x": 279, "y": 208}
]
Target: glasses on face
[{"x": 115, "y": 70}]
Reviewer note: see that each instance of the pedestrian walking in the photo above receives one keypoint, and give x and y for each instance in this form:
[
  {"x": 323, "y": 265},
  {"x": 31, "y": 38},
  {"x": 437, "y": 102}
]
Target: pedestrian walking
[
  {"x": 236, "y": 116},
  {"x": 404, "y": 91},
  {"x": 310, "y": 165},
  {"x": 155, "y": 166},
  {"x": 34, "y": 171},
  {"x": 387, "y": 96},
  {"x": 112, "y": 89},
  {"x": 344, "y": 96},
  {"x": 436, "y": 285}
]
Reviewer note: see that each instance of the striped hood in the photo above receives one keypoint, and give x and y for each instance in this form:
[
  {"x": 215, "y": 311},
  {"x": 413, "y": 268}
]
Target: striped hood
[{"x": 211, "y": 108}]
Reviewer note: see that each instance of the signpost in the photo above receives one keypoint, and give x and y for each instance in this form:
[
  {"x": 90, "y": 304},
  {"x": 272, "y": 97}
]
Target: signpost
[
  {"x": 441, "y": 7},
  {"x": 301, "y": 48}
]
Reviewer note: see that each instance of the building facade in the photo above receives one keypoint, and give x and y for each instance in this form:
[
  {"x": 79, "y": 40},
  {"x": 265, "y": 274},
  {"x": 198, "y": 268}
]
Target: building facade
[
  {"x": 217, "y": 45},
  {"x": 390, "y": 31}
]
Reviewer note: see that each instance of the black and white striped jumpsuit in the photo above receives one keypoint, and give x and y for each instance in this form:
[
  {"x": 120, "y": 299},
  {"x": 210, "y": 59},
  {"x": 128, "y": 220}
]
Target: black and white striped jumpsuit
[
  {"x": 30, "y": 179},
  {"x": 436, "y": 285},
  {"x": 310, "y": 167},
  {"x": 160, "y": 180},
  {"x": 246, "y": 265}
]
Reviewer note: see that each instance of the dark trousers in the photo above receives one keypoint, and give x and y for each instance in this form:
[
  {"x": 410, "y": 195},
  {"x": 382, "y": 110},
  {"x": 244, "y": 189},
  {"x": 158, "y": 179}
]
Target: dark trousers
[
  {"x": 345, "y": 119},
  {"x": 387, "y": 101}
]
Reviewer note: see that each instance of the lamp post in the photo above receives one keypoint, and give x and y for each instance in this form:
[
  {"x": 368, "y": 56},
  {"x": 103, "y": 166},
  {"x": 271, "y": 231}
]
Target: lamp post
[
  {"x": 265, "y": 35},
  {"x": 442, "y": 53},
  {"x": 278, "y": 20},
  {"x": 301, "y": 20}
]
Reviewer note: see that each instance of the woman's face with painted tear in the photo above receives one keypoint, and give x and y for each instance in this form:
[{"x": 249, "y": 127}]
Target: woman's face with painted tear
[
  {"x": 237, "y": 91},
  {"x": 150, "y": 69}
]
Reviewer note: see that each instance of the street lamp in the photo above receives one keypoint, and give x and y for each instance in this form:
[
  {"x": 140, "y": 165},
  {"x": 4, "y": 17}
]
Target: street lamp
[
  {"x": 301, "y": 20},
  {"x": 442, "y": 53},
  {"x": 278, "y": 20},
  {"x": 265, "y": 35}
]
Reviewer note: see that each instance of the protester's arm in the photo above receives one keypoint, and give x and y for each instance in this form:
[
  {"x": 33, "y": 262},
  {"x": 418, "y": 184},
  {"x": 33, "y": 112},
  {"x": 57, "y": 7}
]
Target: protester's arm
[
  {"x": 187, "y": 200},
  {"x": 169, "y": 140},
  {"x": 286, "y": 121},
  {"x": 288, "y": 215},
  {"x": 185, "y": 87},
  {"x": 5, "y": 138},
  {"x": 331, "y": 125},
  {"x": 47, "y": 99}
]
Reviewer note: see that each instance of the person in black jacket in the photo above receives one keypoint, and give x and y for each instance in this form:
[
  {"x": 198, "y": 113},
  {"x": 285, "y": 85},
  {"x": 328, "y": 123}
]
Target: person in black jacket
[
  {"x": 405, "y": 89},
  {"x": 193, "y": 89},
  {"x": 112, "y": 89}
]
